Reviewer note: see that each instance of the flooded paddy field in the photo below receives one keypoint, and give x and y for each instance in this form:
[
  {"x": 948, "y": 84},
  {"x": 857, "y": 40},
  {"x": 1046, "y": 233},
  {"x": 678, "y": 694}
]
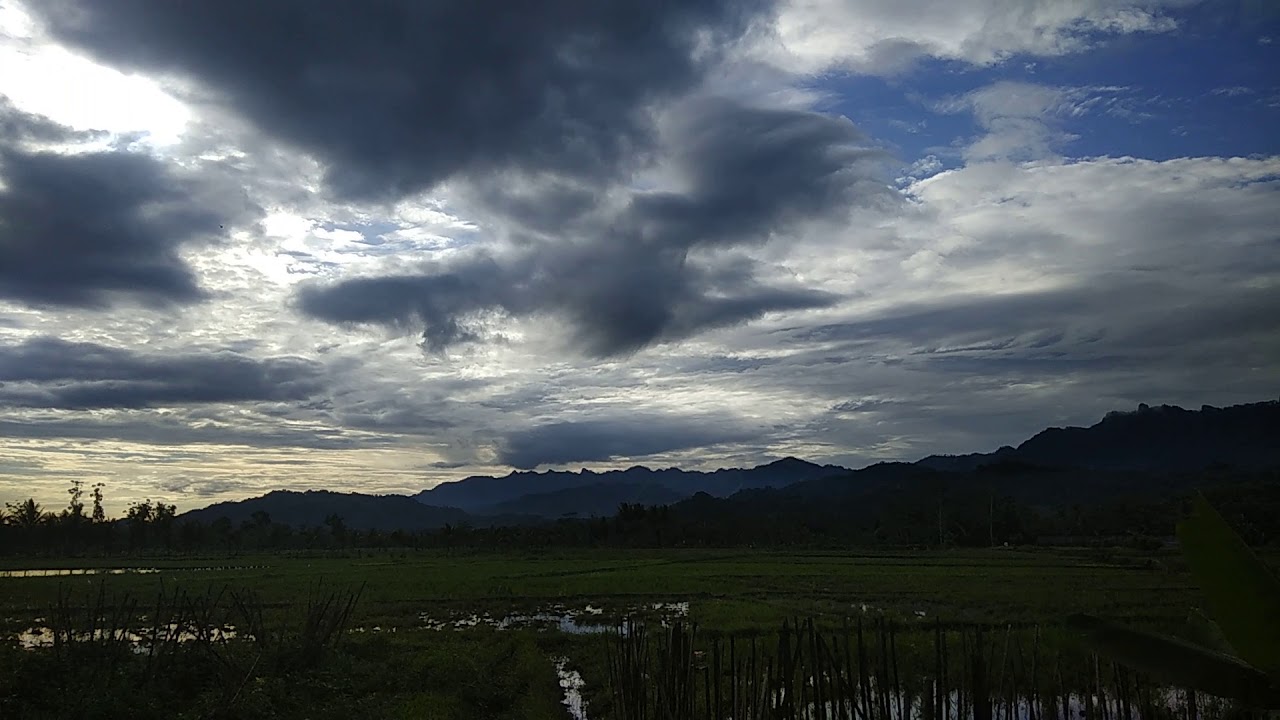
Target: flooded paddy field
[
  {"x": 438, "y": 634},
  {"x": 730, "y": 589}
]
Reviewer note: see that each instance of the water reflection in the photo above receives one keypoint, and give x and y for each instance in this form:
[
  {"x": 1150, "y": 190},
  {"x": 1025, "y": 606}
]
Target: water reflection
[
  {"x": 64, "y": 572},
  {"x": 1161, "y": 703},
  {"x": 571, "y": 683},
  {"x": 585, "y": 621},
  {"x": 141, "y": 641},
  {"x": 61, "y": 572}
]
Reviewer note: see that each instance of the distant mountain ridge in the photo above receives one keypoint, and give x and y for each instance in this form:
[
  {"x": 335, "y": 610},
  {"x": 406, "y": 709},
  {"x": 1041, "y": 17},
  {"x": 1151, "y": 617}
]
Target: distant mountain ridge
[
  {"x": 1161, "y": 438},
  {"x": 1150, "y": 451},
  {"x": 1151, "y": 456},
  {"x": 483, "y": 494},
  {"x": 310, "y": 509},
  {"x": 599, "y": 500}
]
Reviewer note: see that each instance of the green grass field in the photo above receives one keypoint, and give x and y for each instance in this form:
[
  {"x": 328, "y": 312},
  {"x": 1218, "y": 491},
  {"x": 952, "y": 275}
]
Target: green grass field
[
  {"x": 407, "y": 670},
  {"x": 730, "y": 590}
]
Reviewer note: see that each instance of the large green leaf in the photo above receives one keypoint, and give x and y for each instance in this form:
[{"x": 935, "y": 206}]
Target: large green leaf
[
  {"x": 1243, "y": 594},
  {"x": 1201, "y": 630},
  {"x": 1178, "y": 662}
]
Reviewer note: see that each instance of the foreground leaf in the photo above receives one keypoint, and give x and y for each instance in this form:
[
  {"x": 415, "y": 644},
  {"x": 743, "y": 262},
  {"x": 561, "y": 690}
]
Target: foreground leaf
[
  {"x": 1201, "y": 630},
  {"x": 1242, "y": 593},
  {"x": 1178, "y": 662}
]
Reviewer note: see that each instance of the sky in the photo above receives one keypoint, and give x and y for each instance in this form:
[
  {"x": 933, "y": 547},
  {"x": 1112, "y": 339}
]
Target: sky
[{"x": 250, "y": 245}]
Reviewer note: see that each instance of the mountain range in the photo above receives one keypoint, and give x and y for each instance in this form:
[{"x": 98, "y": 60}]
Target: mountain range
[
  {"x": 557, "y": 493},
  {"x": 1151, "y": 450},
  {"x": 313, "y": 507},
  {"x": 1161, "y": 438}
]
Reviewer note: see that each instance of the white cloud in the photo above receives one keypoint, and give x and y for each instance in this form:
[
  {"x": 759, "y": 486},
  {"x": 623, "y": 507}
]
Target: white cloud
[
  {"x": 1019, "y": 120},
  {"x": 1011, "y": 288},
  {"x": 45, "y": 79},
  {"x": 1191, "y": 218},
  {"x": 1024, "y": 121},
  {"x": 924, "y": 167},
  {"x": 1234, "y": 91},
  {"x": 885, "y": 36}
]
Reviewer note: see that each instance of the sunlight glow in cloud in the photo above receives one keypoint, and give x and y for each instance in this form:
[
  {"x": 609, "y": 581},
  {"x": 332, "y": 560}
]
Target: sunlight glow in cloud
[
  {"x": 308, "y": 254},
  {"x": 72, "y": 90}
]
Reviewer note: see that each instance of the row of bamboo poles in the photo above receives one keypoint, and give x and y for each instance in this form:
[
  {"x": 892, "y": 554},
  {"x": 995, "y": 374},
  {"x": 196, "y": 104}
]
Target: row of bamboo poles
[{"x": 874, "y": 670}]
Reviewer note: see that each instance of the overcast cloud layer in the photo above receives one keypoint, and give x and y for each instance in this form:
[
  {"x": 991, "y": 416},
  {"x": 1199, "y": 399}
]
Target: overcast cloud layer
[{"x": 372, "y": 247}]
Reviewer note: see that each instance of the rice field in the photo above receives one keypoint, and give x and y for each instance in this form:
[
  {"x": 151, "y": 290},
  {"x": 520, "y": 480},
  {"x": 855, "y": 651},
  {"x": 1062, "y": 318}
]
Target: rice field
[{"x": 584, "y": 633}]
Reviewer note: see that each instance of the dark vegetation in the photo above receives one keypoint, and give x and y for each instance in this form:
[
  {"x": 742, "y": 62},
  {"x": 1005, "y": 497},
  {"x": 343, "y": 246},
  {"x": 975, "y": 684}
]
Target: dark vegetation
[
  {"x": 230, "y": 654},
  {"x": 883, "y": 506},
  {"x": 875, "y": 668},
  {"x": 1019, "y": 598}
]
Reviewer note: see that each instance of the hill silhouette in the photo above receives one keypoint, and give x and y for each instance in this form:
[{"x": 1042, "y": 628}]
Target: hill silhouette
[
  {"x": 583, "y": 492},
  {"x": 1152, "y": 452},
  {"x": 1161, "y": 438},
  {"x": 311, "y": 508}
]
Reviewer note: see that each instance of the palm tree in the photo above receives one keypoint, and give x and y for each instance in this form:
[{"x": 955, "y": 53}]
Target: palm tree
[{"x": 27, "y": 514}]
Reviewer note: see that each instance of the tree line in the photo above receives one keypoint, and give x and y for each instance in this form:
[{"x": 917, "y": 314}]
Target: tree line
[
  {"x": 28, "y": 527},
  {"x": 927, "y": 516}
]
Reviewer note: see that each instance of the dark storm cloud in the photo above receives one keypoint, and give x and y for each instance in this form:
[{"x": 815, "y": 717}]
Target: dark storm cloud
[
  {"x": 52, "y": 373},
  {"x": 628, "y": 277},
  {"x": 541, "y": 113},
  {"x": 84, "y": 229},
  {"x": 1121, "y": 340},
  {"x": 614, "y": 303},
  {"x": 753, "y": 171},
  {"x": 398, "y": 95},
  {"x": 600, "y": 440}
]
